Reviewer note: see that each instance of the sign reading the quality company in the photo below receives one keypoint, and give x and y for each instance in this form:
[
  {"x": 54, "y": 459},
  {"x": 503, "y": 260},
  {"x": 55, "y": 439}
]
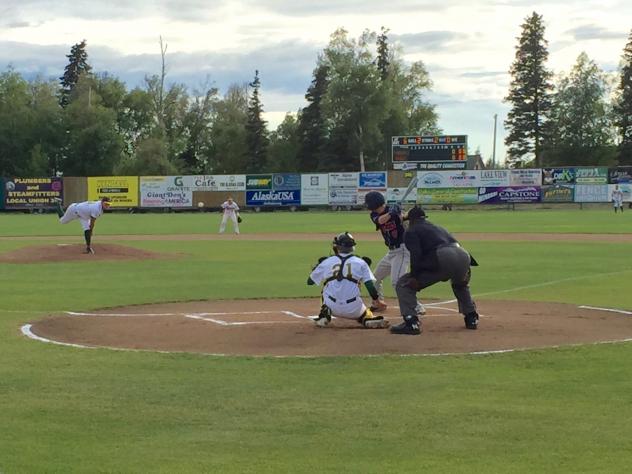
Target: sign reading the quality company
[
  {"x": 591, "y": 193},
  {"x": 558, "y": 193},
  {"x": 258, "y": 181},
  {"x": 166, "y": 191},
  {"x": 511, "y": 194},
  {"x": 315, "y": 189},
  {"x": 23, "y": 193},
  {"x": 286, "y": 181},
  {"x": 594, "y": 175},
  {"x": 218, "y": 182},
  {"x": 373, "y": 180},
  {"x": 525, "y": 177},
  {"x": 273, "y": 198}
]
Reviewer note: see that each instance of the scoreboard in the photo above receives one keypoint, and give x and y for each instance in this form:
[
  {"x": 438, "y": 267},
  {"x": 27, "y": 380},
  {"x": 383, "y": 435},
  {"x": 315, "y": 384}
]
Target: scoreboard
[{"x": 432, "y": 148}]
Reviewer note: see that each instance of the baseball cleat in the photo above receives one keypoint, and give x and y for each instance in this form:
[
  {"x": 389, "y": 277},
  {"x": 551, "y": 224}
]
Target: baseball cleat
[
  {"x": 89, "y": 250},
  {"x": 369, "y": 321},
  {"x": 471, "y": 320},
  {"x": 410, "y": 326},
  {"x": 324, "y": 317},
  {"x": 420, "y": 309}
]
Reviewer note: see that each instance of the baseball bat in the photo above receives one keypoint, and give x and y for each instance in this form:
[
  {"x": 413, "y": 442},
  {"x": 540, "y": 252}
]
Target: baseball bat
[{"x": 411, "y": 185}]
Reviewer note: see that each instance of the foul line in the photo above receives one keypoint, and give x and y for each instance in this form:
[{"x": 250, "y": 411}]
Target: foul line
[{"x": 612, "y": 310}]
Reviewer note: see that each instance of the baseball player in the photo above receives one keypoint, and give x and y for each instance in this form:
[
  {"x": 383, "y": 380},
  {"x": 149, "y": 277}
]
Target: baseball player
[
  {"x": 231, "y": 211},
  {"x": 389, "y": 221},
  {"x": 617, "y": 198},
  {"x": 341, "y": 276},
  {"x": 435, "y": 256},
  {"x": 87, "y": 212}
]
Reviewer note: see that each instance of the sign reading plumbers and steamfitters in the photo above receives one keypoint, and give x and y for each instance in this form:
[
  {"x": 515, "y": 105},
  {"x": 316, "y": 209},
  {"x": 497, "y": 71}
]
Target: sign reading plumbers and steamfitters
[
  {"x": 29, "y": 193},
  {"x": 218, "y": 182},
  {"x": 315, "y": 189},
  {"x": 511, "y": 194},
  {"x": 122, "y": 190},
  {"x": 166, "y": 191}
]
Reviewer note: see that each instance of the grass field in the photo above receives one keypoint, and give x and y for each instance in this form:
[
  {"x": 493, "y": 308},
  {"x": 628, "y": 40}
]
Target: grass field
[{"x": 76, "y": 410}]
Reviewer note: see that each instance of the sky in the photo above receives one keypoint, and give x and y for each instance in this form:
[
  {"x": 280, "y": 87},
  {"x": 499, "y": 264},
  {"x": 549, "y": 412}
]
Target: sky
[{"x": 467, "y": 46}]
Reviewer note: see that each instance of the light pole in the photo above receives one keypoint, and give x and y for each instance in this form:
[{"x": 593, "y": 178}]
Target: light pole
[{"x": 494, "y": 145}]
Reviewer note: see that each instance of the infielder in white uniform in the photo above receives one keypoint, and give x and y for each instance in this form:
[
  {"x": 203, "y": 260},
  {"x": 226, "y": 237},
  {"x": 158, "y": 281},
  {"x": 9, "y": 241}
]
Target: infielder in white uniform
[
  {"x": 87, "y": 212},
  {"x": 341, "y": 276},
  {"x": 617, "y": 199},
  {"x": 231, "y": 211}
]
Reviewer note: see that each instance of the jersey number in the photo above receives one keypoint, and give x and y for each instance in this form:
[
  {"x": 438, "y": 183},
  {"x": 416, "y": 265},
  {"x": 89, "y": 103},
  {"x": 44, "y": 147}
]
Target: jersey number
[{"x": 336, "y": 271}]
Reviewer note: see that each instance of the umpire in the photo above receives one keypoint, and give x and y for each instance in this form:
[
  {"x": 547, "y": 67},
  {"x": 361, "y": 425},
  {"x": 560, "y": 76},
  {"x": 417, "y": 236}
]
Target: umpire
[{"x": 435, "y": 256}]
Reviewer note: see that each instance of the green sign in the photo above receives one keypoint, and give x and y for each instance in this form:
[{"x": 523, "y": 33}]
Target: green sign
[
  {"x": 592, "y": 175},
  {"x": 258, "y": 181},
  {"x": 447, "y": 195}
]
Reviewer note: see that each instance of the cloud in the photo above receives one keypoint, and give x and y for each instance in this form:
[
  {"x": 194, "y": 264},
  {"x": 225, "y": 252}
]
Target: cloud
[
  {"x": 430, "y": 41},
  {"x": 337, "y": 7},
  {"x": 484, "y": 74},
  {"x": 594, "y": 32}
]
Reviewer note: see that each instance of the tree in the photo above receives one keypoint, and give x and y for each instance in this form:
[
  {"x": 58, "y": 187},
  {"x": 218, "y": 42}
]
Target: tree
[
  {"x": 623, "y": 106},
  {"x": 256, "y": 133},
  {"x": 228, "y": 132},
  {"x": 529, "y": 94},
  {"x": 580, "y": 129},
  {"x": 197, "y": 122},
  {"x": 383, "y": 62},
  {"x": 284, "y": 145},
  {"x": 77, "y": 65},
  {"x": 312, "y": 129},
  {"x": 150, "y": 160}
]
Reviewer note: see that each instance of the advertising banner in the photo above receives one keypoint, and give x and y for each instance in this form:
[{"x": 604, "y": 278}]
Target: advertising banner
[
  {"x": 594, "y": 175},
  {"x": 315, "y": 189},
  {"x": 591, "y": 193},
  {"x": 218, "y": 182},
  {"x": 447, "y": 195},
  {"x": 273, "y": 198},
  {"x": 372, "y": 180},
  {"x": 507, "y": 195},
  {"x": 494, "y": 177},
  {"x": 345, "y": 180},
  {"x": 343, "y": 196},
  {"x": 626, "y": 188},
  {"x": 286, "y": 181},
  {"x": 394, "y": 195},
  {"x": 525, "y": 177},
  {"x": 622, "y": 174},
  {"x": 31, "y": 193},
  {"x": 122, "y": 190},
  {"x": 552, "y": 176},
  {"x": 448, "y": 179},
  {"x": 558, "y": 193},
  {"x": 258, "y": 181},
  {"x": 166, "y": 191}
]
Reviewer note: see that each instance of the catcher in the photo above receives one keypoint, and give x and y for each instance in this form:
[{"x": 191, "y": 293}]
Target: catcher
[{"x": 341, "y": 276}]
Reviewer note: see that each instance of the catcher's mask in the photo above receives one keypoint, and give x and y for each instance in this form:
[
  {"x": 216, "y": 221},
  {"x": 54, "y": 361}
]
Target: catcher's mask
[
  {"x": 416, "y": 213},
  {"x": 373, "y": 200},
  {"x": 344, "y": 243}
]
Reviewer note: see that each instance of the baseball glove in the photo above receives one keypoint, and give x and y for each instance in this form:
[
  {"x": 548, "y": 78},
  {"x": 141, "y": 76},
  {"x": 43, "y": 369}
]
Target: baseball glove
[{"x": 239, "y": 219}]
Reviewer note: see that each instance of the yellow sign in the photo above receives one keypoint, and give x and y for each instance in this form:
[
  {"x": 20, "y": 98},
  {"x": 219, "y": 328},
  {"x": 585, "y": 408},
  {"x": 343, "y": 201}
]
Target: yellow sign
[{"x": 122, "y": 190}]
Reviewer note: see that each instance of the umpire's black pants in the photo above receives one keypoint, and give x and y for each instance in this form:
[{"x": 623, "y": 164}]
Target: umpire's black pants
[{"x": 453, "y": 265}]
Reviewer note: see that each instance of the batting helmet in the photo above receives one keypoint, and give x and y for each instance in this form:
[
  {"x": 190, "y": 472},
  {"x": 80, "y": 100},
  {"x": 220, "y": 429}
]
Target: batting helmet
[
  {"x": 344, "y": 242},
  {"x": 373, "y": 200}
]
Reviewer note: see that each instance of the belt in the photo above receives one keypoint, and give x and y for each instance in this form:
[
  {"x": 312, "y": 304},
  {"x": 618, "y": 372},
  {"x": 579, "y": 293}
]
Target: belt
[{"x": 351, "y": 300}]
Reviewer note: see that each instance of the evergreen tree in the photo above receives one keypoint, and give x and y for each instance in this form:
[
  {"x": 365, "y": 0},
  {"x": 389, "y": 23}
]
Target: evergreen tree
[
  {"x": 256, "y": 133},
  {"x": 529, "y": 94},
  {"x": 77, "y": 65},
  {"x": 311, "y": 127},
  {"x": 228, "y": 132},
  {"x": 382, "y": 54},
  {"x": 623, "y": 106}
]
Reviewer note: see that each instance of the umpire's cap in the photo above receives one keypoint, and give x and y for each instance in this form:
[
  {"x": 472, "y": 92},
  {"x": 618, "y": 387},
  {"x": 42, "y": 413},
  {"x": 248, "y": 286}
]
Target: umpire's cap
[
  {"x": 416, "y": 213},
  {"x": 373, "y": 200}
]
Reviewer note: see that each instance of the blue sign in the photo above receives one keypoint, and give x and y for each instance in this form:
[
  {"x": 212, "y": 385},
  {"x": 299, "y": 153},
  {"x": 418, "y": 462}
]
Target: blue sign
[
  {"x": 286, "y": 181},
  {"x": 267, "y": 197},
  {"x": 374, "y": 180}
]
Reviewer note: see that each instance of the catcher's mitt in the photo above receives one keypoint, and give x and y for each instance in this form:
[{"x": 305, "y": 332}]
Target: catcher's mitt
[{"x": 239, "y": 219}]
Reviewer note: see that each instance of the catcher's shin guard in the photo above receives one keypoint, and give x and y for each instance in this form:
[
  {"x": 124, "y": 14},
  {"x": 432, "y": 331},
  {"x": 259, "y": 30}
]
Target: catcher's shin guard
[
  {"x": 324, "y": 316},
  {"x": 370, "y": 321}
]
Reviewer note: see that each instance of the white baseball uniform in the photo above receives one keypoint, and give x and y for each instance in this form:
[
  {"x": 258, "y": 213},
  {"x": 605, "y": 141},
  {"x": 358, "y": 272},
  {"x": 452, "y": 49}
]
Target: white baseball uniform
[
  {"x": 341, "y": 293},
  {"x": 230, "y": 212},
  {"x": 617, "y": 198},
  {"x": 84, "y": 211}
]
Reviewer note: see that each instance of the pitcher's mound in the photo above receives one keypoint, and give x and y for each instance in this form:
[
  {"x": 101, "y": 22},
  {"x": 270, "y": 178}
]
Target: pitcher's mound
[
  {"x": 283, "y": 327},
  {"x": 72, "y": 252}
]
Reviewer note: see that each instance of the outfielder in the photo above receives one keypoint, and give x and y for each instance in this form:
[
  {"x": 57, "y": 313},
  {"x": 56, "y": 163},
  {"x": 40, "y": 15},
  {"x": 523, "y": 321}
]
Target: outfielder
[
  {"x": 231, "y": 211},
  {"x": 617, "y": 199},
  {"x": 435, "y": 256},
  {"x": 341, "y": 276},
  {"x": 389, "y": 221},
  {"x": 87, "y": 212}
]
